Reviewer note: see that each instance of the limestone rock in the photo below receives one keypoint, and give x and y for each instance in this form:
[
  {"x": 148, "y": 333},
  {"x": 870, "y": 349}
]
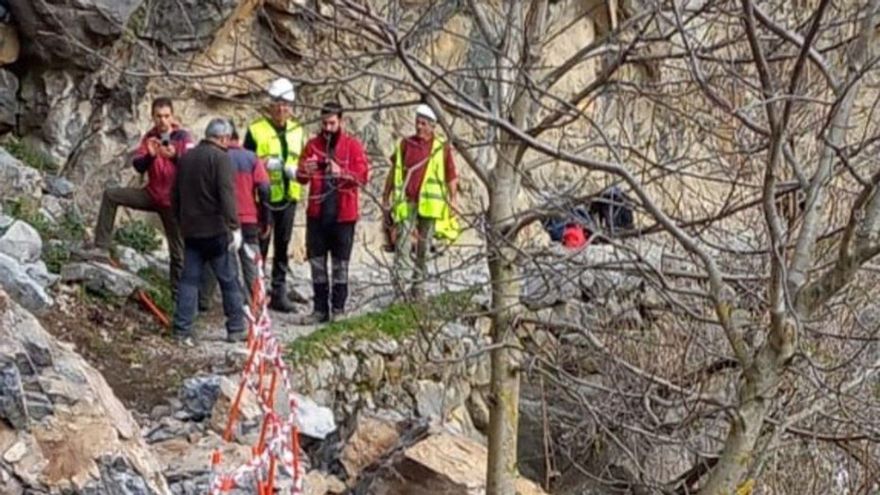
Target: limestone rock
[
  {"x": 131, "y": 260},
  {"x": 199, "y": 394},
  {"x": 189, "y": 25},
  {"x": 48, "y": 25},
  {"x": 186, "y": 464},
  {"x": 8, "y": 88},
  {"x": 16, "y": 281},
  {"x": 12, "y": 408},
  {"x": 442, "y": 464},
  {"x": 88, "y": 442},
  {"x": 22, "y": 242},
  {"x": 434, "y": 400},
  {"x": 102, "y": 278},
  {"x": 249, "y": 414},
  {"x": 59, "y": 186},
  {"x": 313, "y": 420},
  {"x": 39, "y": 272},
  {"x": 371, "y": 438},
  {"x": 318, "y": 483},
  {"x": 17, "y": 180}
]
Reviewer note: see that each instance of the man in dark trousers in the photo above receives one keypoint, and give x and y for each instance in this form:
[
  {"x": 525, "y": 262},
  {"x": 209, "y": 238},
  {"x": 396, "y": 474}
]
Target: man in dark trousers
[
  {"x": 203, "y": 202},
  {"x": 278, "y": 140},
  {"x": 252, "y": 202},
  {"x": 157, "y": 156},
  {"x": 334, "y": 166}
]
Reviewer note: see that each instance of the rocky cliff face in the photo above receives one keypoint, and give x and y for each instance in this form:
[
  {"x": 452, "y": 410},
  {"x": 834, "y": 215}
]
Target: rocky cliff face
[{"x": 61, "y": 427}]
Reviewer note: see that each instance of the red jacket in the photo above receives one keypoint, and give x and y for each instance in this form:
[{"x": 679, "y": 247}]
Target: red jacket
[
  {"x": 351, "y": 158},
  {"x": 161, "y": 171}
]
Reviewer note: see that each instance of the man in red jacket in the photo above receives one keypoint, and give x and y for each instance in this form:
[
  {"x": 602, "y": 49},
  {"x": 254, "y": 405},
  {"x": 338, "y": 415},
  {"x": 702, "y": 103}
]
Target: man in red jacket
[
  {"x": 157, "y": 155},
  {"x": 334, "y": 166}
]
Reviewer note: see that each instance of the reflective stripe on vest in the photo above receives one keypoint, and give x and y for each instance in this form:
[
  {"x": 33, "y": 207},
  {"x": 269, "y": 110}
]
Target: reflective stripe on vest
[
  {"x": 432, "y": 193},
  {"x": 269, "y": 146}
]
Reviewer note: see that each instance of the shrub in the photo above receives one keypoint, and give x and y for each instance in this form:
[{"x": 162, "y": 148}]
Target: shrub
[{"x": 138, "y": 235}]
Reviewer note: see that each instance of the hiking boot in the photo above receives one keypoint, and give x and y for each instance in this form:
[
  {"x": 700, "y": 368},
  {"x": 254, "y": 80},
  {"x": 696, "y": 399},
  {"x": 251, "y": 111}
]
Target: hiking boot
[
  {"x": 314, "y": 318},
  {"x": 282, "y": 304},
  {"x": 234, "y": 337},
  {"x": 183, "y": 339}
]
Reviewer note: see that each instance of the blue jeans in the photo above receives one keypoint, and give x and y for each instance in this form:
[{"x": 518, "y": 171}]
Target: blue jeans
[{"x": 213, "y": 251}]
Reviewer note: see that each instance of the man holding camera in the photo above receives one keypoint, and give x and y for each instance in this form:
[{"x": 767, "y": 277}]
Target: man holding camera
[
  {"x": 203, "y": 203},
  {"x": 278, "y": 140},
  {"x": 157, "y": 156},
  {"x": 335, "y": 167}
]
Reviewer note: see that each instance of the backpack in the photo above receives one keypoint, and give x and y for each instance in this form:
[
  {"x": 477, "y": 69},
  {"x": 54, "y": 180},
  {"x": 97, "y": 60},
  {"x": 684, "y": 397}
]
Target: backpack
[{"x": 613, "y": 210}]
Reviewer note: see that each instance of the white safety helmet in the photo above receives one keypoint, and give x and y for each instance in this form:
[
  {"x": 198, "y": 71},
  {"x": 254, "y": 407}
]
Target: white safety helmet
[
  {"x": 282, "y": 89},
  {"x": 425, "y": 111}
]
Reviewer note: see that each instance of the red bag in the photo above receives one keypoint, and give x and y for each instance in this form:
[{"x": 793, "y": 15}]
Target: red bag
[{"x": 573, "y": 236}]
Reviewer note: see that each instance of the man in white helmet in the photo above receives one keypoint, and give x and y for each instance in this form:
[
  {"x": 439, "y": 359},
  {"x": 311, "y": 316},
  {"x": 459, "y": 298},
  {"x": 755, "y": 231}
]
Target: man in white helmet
[
  {"x": 278, "y": 139},
  {"x": 423, "y": 183}
]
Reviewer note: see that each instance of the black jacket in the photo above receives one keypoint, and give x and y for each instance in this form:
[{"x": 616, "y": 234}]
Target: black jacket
[{"x": 203, "y": 198}]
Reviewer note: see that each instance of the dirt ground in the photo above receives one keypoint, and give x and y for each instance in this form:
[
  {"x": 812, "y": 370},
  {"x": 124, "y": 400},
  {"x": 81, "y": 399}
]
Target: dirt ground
[{"x": 138, "y": 358}]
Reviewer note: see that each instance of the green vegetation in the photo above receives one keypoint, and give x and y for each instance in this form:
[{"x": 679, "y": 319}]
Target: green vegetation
[
  {"x": 31, "y": 156},
  {"x": 159, "y": 289},
  {"x": 138, "y": 235},
  {"x": 58, "y": 238},
  {"x": 396, "y": 321}
]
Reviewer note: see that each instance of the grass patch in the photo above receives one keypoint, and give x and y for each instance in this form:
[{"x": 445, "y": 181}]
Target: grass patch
[
  {"x": 159, "y": 289},
  {"x": 396, "y": 321},
  {"x": 30, "y": 155},
  {"x": 138, "y": 235}
]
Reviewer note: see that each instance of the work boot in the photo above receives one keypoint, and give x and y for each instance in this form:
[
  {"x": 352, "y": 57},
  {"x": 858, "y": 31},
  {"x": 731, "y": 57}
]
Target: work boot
[
  {"x": 280, "y": 302},
  {"x": 234, "y": 337}
]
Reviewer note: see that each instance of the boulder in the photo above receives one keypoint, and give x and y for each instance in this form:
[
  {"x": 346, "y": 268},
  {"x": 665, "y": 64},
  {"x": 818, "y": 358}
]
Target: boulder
[
  {"x": 442, "y": 464},
  {"x": 313, "y": 420},
  {"x": 318, "y": 483},
  {"x": 131, "y": 260},
  {"x": 371, "y": 438},
  {"x": 102, "y": 278},
  {"x": 249, "y": 413},
  {"x": 39, "y": 273},
  {"x": 16, "y": 281},
  {"x": 435, "y": 401},
  {"x": 65, "y": 32},
  {"x": 87, "y": 442},
  {"x": 17, "y": 180},
  {"x": 199, "y": 394},
  {"x": 8, "y": 92},
  {"x": 22, "y": 242}
]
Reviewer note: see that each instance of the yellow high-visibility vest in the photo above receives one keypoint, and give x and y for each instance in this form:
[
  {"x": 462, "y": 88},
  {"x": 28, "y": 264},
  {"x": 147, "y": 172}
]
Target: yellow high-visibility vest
[
  {"x": 433, "y": 194},
  {"x": 269, "y": 147}
]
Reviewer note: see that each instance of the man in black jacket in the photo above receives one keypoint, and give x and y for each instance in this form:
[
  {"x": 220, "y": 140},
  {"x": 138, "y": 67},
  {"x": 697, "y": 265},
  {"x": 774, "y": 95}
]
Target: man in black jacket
[{"x": 203, "y": 202}]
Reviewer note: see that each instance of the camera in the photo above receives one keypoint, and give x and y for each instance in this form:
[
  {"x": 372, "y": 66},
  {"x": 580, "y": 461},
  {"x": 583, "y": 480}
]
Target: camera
[{"x": 166, "y": 139}]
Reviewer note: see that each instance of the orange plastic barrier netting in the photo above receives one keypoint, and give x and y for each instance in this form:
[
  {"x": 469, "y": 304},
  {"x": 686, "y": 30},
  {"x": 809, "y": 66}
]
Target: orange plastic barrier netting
[{"x": 277, "y": 451}]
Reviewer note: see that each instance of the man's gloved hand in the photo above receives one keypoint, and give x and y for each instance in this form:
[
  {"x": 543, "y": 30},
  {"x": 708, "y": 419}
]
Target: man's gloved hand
[
  {"x": 235, "y": 242},
  {"x": 274, "y": 164},
  {"x": 290, "y": 171}
]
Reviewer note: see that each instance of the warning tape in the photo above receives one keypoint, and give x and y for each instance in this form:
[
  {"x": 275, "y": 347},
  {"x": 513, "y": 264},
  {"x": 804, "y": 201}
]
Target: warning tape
[{"x": 277, "y": 449}]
